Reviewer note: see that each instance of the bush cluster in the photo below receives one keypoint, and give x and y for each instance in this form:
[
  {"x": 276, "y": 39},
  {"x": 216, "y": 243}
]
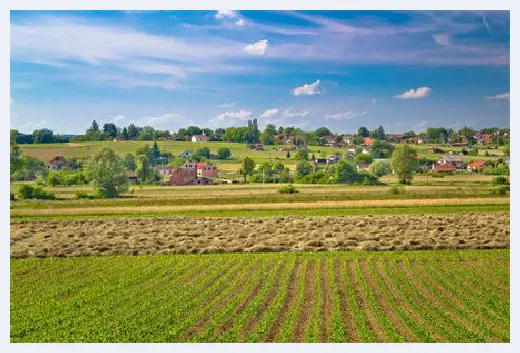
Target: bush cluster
[
  {"x": 34, "y": 192},
  {"x": 288, "y": 189}
]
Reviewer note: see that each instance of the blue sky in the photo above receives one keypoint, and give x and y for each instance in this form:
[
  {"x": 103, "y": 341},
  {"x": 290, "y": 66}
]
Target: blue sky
[{"x": 341, "y": 69}]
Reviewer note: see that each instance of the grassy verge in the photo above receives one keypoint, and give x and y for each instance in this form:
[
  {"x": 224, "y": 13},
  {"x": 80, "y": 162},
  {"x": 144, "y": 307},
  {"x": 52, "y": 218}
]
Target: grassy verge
[{"x": 287, "y": 212}]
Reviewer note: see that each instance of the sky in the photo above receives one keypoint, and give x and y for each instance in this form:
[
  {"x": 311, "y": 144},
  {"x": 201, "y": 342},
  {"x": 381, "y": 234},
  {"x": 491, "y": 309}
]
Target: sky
[{"x": 340, "y": 69}]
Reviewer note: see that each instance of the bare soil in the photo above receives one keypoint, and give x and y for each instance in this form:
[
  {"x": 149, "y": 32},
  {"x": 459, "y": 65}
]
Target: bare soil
[{"x": 182, "y": 235}]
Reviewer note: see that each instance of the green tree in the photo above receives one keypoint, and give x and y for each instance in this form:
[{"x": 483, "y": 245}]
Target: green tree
[
  {"x": 322, "y": 131},
  {"x": 144, "y": 170},
  {"x": 248, "y": 166},
  {"x": 124, "y": 134},
  {"x": 363, "y": 132},
  {"x": 404, "y": 163},
  {"x": 156, "y": 153},
  {"x": 380, "y": 168},
  {"x": 109, "y": 130},
  {"x": 107, "y": 173},
  {"x": 14, "y": 136},
  {"x": 346, "y": 173},
  {"x": 380, "y": 133},
  {"x": 133, "y": 131},
  {"x": 507, "y": 148},
  {"x": 302, "y": 155},
  {"x": 288, "y": 155},
  {"x": 253, "y": 134},
  {"x": 223, "y": 153},
  {"x": 129, "y": 160},
  {"x": 193, "y": 130},
  {"x": 303, "y": 168},
  {"x": 363, "y": 158},
  {"x": 43, "y": 136},
  {"x": 201, "y": 152}
]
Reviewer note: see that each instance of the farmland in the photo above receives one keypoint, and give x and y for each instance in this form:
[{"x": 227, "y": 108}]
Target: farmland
[
  {"x": 428, "y": 296},
  {"x": 427, "y": 262}
]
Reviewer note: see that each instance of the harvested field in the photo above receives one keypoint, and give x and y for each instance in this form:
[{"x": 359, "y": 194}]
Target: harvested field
[
  {"x": 414, "y": 296},
  {"x": 263, "y": 234}
]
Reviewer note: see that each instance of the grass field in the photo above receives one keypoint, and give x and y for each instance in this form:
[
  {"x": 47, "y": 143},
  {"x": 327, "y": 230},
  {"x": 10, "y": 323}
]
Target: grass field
[{"x": 428, "y": 296}]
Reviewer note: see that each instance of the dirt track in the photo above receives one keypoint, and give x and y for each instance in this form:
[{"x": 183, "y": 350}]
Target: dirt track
[{"x": 212, "y": 235}]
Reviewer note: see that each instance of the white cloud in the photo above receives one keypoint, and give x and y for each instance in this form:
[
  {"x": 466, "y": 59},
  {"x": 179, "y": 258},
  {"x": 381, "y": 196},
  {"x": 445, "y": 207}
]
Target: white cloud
[
  {"x": 289, "y": 113},
  {"x": 307, "y": 89},
  {"x": 119, "y": 118},
  {"x": 30, "y": 126},
  {"x": 226, "y": 13},
  {"x": 442, "y": 39},
  {"x": 227, "y": 105},
  {"x": 421, "y": 123},
  {"x": 241, "y": 115},
  {"x": 500, "y": 96},
  {"x": 421, "y": 92},
  {"x": 162, "y": 121},
  {"x": 269, "y": 113},
  {"x": 240, "y": 22},
  {"x": 344, "y": 116},
  {"x": 257, "y": 48}
]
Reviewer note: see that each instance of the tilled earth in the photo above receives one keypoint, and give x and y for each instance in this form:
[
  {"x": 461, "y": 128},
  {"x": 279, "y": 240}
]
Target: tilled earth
[{"x": 133, "y": 236}]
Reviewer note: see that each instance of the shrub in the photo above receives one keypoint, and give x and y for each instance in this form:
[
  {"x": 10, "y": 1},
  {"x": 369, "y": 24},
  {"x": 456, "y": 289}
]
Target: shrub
[
  {"x": 394, "y": 190},
  {"x": 288, "y": 189},
  {"x": 436, "y": 175},
  {"x": 82, "y": 195},
  {"x": 13, "y": 198},
  {"x": 499, "y": 180},
  {"x": 501, "y": 190},
  {"x": 33, "y": 192}
]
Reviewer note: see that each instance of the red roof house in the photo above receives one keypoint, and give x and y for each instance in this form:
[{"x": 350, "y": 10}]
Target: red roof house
[{"x": 476, "y": 165}]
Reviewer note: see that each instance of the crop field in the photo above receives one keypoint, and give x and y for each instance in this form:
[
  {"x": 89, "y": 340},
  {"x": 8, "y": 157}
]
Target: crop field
[
  {"x": 132, "y": 236},
  {"x": 415, "y": 296}
]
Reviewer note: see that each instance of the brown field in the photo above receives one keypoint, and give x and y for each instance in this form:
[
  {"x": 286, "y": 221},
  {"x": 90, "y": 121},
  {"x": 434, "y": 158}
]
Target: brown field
[
  {"x": 264, "y": 206},
  {"x": 213, "y": 235}
]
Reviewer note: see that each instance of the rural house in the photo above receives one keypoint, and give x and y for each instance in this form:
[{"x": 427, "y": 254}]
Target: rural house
[
  {"x": 163, "y": 170},
  {"x": 484, "y": 139},
  {"x": 132, "y": 177},
  {"x": 200, "y": 138},
  {"x": 58, "y": 162},
  {"x": 361, "y": 167},
  {"x": 475, "y": 166},
  {"x": 395, "y": 138},
  {"x": 186, "y": 154},
  {"x": 436, "y": 150},
  {"x": 453, "y": 161},
  {"x": 329, "y": 141},
  {"x": 206, "y": 170},
  {"x": 369, "y": 141},
  {"x": 443, "y": 168}
]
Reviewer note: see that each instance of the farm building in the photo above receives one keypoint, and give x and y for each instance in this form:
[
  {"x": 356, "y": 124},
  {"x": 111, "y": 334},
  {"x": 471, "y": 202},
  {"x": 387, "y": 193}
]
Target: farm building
[
  {"x": 443, "y": 168},
  {"x": 369, "y": 141},
  {"x": 193, "y": 174},
  {"x": 321, "y": 161},
  {"x": 451, "y": 161},
  {"x": 163, "y": 170},
  {"x": 59, "y": 162},
  {"x": 476, "y": 166},
  {"x": 395, "y": 138},
  {"x": 206, "y": 170},
  {"x": 132, "y": 177},
  {"x": 436, "y": 150},
  {"x": 186, "y": 154},
  {"x": 329, "y": 141},
  {"x": 200, "y": 138},
  {"x": 361, "y": 167},
  {"x": 484, "y": 139}
]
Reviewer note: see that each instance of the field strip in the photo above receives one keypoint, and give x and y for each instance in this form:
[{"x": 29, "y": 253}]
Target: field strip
[
  {"x": 271, "y": 206},
  {"x": 415, "y": 296}
]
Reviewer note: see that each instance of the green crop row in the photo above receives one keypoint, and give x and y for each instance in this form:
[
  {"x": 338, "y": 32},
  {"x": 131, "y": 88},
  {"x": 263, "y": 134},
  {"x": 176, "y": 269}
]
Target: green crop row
[{"x": 419, "y": 296}]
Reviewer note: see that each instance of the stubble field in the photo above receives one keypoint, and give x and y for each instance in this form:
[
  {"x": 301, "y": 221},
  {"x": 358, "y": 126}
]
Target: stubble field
[{"x": 133, "y": 236}]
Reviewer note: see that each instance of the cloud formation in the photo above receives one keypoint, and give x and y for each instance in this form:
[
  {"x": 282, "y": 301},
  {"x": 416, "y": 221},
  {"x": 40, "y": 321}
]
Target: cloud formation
[
  {"x": 307, "y": 89},
  {"x": 500, "y": 96},
  {"x": 257, "y": 48},
  {"x": 344, "y": 116},
  {"x": 269, "y": 113},
  {"x": 290, "y": 112},
  {"x": 421, "y": 92},
  {"x": 241, "y": 115},
  {"x": 226, "y": 13}
]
